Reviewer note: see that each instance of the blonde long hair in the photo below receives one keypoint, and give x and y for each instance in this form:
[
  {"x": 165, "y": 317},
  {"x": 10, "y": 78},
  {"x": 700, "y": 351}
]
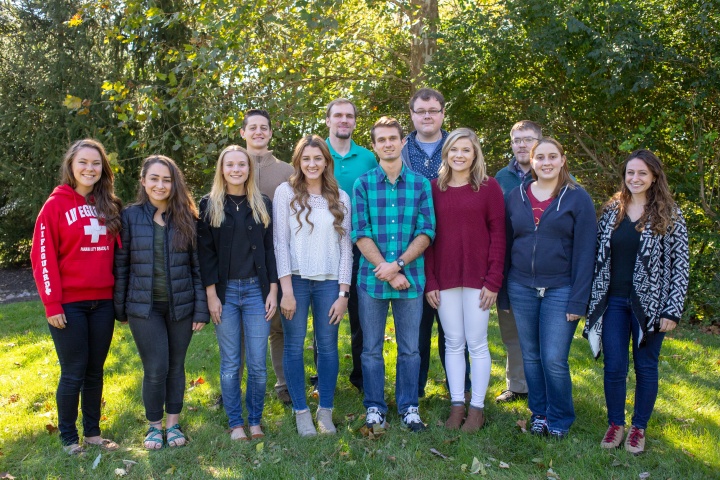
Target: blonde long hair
[
  {"x": 215, "y": 214},
  {"x": 478, "y": 170},
  {"x": 330, "y": 189}
]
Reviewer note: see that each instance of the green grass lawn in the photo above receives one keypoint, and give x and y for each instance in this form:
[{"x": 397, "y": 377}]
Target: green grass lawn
[{"x": 683, "y": 435}]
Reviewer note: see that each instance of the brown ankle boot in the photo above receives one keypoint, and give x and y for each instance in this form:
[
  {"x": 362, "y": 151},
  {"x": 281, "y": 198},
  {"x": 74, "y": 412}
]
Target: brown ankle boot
[
  {"x": 475, "y": 420},
  {"x": 457, "y": 413}
]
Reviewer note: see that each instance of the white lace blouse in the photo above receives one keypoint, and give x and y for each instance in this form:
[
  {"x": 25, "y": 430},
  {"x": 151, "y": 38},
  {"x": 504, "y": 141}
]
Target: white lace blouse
[{"x": 318, "y": 255}]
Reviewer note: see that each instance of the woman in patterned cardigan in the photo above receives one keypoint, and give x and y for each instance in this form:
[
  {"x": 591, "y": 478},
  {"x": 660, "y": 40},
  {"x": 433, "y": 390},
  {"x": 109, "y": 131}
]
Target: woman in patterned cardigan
[{"x": 640, "y": 282}]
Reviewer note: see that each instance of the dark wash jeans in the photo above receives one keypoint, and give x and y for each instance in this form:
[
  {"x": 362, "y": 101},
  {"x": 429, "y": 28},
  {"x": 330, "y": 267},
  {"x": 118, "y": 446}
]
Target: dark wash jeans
[
  {"x": 82, "y": 347},
  {"x": 620, "y": 327},
  {"x": 162, "y": 344}
]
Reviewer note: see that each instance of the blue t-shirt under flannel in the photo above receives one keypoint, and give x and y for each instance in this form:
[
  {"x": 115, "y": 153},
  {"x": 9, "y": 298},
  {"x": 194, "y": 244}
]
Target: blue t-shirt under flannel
[{"x": 392, "y": 215}]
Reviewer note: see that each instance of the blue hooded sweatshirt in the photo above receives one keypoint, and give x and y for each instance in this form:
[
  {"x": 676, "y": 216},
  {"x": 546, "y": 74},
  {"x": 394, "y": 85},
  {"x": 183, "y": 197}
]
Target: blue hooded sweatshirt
[{"x": 560, "y": 251}]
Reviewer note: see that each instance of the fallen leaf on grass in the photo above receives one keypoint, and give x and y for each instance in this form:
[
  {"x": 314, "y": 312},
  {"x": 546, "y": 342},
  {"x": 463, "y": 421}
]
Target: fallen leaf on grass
[
  {"x": 97, "y": 461},
  {"x": 192, "y": 409},
  {"x": 644, "y": 475},
  {"x": 376, "y": 432},
  {"x": 309, "y": 347},
  {"x": 51, "y": 428},
  {"x": 392, "y": 458},
  {"x": 551, "y": 474},
  {"x": 347, "y": 355},
  {"x": 618, "y": 463},
  {"x": 388, "y": 338},
  {"x": 6, "y": 475},
  {"x": 504, "y": 465},
  {"x": 688, "y": 453},
  {"x": 18, "y": 364},
  {"x": 440, "y": 423},
  {"x": 438, "y": 454},
  {"x": 129, "y": 464},
  {"x": 260, "y": 446},
  {"x": 170, "y": 471},
  {"x": 14, "y": 398},
  {"x": 120, "y": 472},
  {"x": 477, "y": 467},
  {"x": 523, "y": 425},
  {"x": 350, "y": 417},
  {"x": 104, "y": 417},
  {"x": 451, "y": 440},
  {"x": 199, "y": 381}
]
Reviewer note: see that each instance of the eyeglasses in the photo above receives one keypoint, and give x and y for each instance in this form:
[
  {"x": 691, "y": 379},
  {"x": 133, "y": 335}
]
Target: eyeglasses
[
  {"x": 431, "y": 112},
  {"x": 525, "y": 140}
]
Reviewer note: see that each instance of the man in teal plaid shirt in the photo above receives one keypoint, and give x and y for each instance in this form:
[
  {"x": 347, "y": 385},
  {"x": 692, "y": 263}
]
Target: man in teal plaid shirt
[{"x": 393, "y": 224}]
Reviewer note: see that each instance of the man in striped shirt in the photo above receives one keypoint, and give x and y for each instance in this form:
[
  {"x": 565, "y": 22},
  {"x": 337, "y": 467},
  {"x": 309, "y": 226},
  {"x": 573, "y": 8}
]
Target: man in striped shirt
[{"x": 393, "y": 224}]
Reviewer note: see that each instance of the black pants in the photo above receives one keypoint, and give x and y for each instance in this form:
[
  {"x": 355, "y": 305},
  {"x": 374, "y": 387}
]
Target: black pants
[
  {"x": 429, "y": 316},
  {"x": 82, "y": 347},
  {"x": 162, "y": 344},
  {"x": 356, "y": 334}
]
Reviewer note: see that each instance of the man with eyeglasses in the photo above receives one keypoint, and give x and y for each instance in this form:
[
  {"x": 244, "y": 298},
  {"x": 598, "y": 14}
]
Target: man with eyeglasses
[
  {"x": 523, "y": 136},
  {"x": 422, "y": 154}
]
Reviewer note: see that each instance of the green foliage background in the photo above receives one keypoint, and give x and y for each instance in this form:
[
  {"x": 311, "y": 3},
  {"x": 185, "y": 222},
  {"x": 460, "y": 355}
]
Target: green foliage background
[{"x": 174, "y": 76}]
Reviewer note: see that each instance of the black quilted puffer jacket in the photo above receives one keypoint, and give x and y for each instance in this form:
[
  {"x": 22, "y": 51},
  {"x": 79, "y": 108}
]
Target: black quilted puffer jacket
[{"x": 134, "y": 271}]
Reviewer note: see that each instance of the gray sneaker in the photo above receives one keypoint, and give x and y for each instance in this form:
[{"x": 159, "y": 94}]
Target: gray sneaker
[
  {"x": 324, "y": 420},
  {"x": 304, "y": 423}
]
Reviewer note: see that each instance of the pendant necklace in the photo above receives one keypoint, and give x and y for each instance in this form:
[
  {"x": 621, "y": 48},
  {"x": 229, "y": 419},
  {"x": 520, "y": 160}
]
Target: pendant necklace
[{"x": 237, "y": 205}]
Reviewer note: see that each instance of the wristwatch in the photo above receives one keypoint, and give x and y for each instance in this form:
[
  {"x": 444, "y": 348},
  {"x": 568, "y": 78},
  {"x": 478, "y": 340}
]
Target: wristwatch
[
  {"x": 344, "y": 294},
  {"x": 401, "y": 263}
]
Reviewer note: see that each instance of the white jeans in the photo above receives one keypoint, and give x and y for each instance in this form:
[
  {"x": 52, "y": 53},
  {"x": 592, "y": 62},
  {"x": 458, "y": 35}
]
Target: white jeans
[{"x": 463, "y": 321}]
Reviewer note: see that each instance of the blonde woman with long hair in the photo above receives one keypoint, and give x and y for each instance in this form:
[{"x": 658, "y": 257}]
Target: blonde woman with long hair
[
  {"x": 237, "y": 264},
  {"x": 464, "y": 268},
  {"x": 314, "y": 258}
]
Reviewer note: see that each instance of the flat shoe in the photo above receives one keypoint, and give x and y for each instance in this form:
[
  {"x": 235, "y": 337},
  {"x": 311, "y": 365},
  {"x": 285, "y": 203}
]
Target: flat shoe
[
  {"x": 74, "y": 449},
  {"x": 238, "y": 434},
  {"x": 255, "y": 436},
  {"x": 104, "y": 444}
]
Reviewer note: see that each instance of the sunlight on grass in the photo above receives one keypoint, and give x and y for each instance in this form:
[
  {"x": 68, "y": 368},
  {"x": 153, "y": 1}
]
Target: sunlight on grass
[{"x": 682, "y": 435}]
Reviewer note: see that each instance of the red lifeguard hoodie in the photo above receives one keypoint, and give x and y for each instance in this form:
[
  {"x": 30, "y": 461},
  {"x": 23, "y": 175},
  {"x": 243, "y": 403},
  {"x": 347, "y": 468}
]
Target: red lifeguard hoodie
[{"x": 72, "y": 253}]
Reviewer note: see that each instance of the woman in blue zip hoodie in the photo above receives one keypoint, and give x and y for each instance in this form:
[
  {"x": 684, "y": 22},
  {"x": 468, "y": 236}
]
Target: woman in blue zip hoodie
[{"x": 551, "y": 232}]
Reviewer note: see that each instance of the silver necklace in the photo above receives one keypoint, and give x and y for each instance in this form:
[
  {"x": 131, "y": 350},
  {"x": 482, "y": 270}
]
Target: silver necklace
[{"x": 237, "y": 205}]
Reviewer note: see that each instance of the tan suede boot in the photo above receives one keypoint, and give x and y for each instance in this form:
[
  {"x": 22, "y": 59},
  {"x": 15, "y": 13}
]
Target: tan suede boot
[
  {"x": 457, "y": 414},
  {"x": 475, "y": 420}
]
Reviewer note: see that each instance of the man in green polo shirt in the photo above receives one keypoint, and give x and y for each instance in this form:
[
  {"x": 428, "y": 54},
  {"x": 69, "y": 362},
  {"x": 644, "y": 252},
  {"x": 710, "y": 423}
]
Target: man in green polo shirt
[{"x": 351, "y": 161}]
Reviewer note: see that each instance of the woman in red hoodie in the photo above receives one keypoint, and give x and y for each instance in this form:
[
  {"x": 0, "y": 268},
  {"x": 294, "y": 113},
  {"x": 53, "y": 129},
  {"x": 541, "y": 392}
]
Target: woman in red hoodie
[{"x": 72, "y": 259}]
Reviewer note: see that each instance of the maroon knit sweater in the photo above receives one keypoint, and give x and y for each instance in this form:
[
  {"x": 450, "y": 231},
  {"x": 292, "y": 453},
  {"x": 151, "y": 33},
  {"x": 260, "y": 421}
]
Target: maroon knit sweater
[{"x": 469, "y": 246}]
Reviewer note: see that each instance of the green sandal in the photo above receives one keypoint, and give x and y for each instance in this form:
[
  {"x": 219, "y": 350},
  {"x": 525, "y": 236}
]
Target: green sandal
[
  {"x": 153, "y": 435},
  {"x": 177, "y": 434}
]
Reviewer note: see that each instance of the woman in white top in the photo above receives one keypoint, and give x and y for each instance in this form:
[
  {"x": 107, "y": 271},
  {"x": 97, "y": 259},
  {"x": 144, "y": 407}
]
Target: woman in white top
[{"x": 314, "y": 260}]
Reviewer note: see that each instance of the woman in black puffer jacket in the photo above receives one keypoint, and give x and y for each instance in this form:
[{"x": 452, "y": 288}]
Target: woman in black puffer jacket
[{"x": 158, "y": 290}]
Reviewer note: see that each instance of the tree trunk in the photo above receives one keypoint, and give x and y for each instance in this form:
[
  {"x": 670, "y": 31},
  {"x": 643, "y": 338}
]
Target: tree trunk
[{"x": 424, "y": 19}]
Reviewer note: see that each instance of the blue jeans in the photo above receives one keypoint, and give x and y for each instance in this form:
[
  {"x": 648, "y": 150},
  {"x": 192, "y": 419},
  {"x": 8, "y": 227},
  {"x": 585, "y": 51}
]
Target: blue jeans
[
  {"x": 162, "y": 344},
  {"x": 82, "y": 347},
  {"x": 545, "y": 338},
  {"x": 619, "y": 325},
  {"x": 320, "y": 295},
  {"x": 407, "y": 313},
  {"x": 243, "y": 313}
]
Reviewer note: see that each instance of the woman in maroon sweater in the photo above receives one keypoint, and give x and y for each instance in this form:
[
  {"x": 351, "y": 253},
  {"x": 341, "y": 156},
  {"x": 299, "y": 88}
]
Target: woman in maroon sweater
[{"x": 464, "y": 268}]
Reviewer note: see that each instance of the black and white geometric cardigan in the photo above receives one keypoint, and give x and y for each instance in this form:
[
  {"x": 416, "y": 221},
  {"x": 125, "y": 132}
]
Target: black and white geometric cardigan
[{"x": 660, "y": 278}]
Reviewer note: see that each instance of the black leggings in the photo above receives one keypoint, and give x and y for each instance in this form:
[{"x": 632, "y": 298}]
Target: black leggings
[
  {"x": 82, "y": 347},
  {"x": 162, "y": 344}
]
